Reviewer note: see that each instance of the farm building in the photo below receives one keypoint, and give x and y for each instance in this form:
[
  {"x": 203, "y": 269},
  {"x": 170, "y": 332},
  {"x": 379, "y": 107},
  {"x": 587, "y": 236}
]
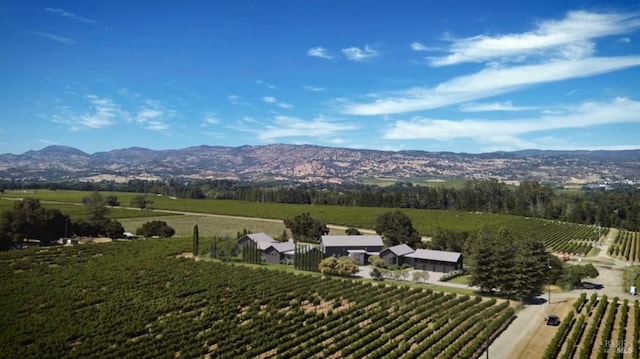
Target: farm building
[
  {"x": 279, "y": 252},
  {"x": 358, "y": 247},
  {"x": 435, "y": 261},
  {"x": 262, "y": 240},
  {"x": 396, "y": 254}
]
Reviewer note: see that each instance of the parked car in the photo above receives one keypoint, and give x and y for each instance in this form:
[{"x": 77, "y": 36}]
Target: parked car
[{"x": 552, "y": 319}]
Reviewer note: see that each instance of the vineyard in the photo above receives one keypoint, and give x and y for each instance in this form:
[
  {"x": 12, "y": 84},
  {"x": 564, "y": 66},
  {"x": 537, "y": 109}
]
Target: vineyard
[
  {"x": 598, "y": 327},
  {"x": 143, "y": 300},
  {"x": 626, "y": 245},
  {"x": 561, "y": 237},
  {"x": 570, "y": 238}
]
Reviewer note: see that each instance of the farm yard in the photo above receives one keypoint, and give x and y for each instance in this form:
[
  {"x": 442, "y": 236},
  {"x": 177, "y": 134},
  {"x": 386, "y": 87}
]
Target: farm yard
[{"x": 141, "y": 299}]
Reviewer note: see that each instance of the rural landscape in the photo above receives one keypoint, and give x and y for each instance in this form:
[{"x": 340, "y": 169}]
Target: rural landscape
[
  {"x": 187, "y": 292},
  {"x": 320, "y": 179}
]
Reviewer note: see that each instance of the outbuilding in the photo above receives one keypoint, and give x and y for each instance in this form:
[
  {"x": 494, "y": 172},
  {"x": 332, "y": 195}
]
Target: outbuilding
[{"x": 435, "y": 261}]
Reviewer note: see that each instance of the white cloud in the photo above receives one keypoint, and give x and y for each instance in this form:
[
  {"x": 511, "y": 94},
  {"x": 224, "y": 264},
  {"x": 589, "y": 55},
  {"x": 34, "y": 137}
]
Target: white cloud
[
  {"x": 416, "y": 46},
  {"x": 54, "y": 37},
  {"x": 625, "y": 40},
  {"x": 272, "y": 100},
  {"x": 210, "y": 118},
  {"x": 152, "y": 116},
  {"x": 285, "y": 126},
  {"x": 314, "y": 88},
  {"x": 69, "y": 15},
  {"x": 320, "y": 52},
  {"x": 619, "y": 110},
  {"x": 358, "y": 54},
  {"x": 269, "y": 86},
  {"x": 569, "y": 36},
  {"x": 103, "y": 112},
  {"x": 488, "y": 82},
  {"x": 236, "y": 100},
  {"x": 493, "y": 106}
]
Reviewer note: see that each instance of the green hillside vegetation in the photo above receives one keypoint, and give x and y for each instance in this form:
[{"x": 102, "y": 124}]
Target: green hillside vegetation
[{"x": 559, "y": 236}]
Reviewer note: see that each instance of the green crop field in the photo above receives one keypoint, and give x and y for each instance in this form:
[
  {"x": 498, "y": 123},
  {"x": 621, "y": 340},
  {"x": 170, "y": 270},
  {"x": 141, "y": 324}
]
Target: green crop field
[
  {"x": 598, "y": 327},
  {"x": 210, "y": 226},
  {"x": 559, "y": 236},
  {"x": 141, "y": 299}
]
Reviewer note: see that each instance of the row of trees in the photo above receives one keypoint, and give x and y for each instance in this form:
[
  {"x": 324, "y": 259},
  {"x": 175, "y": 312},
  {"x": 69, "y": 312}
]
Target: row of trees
[
  {"x": 29, "y": 220},
  {"x": 618, "y": 208}
]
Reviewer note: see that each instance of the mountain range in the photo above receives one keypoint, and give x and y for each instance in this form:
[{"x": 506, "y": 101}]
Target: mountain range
[{"x": 304, "y": 163}]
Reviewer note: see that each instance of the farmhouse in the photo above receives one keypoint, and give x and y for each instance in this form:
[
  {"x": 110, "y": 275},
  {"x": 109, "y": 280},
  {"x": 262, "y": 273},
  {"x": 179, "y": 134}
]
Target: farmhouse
[
  {"x": 396, "y": 254},
  {"x": 358, "y": 247},
  {"x": 279, "y": 252},
  {"x": 435, "y": 261},
  {"x": 262, "y": 240}
]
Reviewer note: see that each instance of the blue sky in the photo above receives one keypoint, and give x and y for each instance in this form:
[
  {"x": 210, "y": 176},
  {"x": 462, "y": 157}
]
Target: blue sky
[{"x": 460, "y": 76}]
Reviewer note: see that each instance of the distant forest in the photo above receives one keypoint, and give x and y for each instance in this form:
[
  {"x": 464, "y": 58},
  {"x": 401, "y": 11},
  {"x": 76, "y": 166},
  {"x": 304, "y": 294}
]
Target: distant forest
[{"x": 619, "y": 207}]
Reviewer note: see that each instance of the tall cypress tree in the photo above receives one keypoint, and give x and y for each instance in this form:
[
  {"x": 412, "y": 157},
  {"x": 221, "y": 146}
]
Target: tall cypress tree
[{"x": 196, "y": 241}]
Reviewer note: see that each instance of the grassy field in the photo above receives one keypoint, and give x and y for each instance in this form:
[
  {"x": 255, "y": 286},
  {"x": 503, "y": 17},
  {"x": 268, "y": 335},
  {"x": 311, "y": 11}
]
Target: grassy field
[{"x": 209, "y": 226}]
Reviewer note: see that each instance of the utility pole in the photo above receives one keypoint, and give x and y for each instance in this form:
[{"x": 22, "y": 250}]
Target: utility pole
[{"x": 549, "y": 281}]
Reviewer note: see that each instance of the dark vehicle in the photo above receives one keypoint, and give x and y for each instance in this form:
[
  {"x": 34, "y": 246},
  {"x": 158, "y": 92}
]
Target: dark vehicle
[{"x": 552, "y": 320}]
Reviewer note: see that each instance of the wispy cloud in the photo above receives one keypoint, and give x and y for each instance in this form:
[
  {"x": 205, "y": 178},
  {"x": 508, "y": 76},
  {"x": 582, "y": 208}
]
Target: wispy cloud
[
  {"x": 237, "y": 100},
  {"x": 494, "y": 106},
  {"x": 416, "y": 46},
  {"x": 488, "y": 82},
  {"x": 320, "y": 52},
  {"x": 54, "y": 37},
  {"x": 273, "y": 100},
  {"x": 267, "y": 85},
  {"x": 570, "y": 36},
  {"x": 314, "y": 88},
  {"x": 103, "y": 112},
  {"x": 153, "y": 116},
  {"x": 358, "y": 54},
  {"x": 210, "y": 118},
  {"x": 69, "y": 15},
  {"x": 507, "y": 133},
  {"x": 285, "y": 126}
]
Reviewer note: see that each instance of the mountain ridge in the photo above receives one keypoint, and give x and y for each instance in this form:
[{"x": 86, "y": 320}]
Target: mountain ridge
[{"x": 304, "y": 163}]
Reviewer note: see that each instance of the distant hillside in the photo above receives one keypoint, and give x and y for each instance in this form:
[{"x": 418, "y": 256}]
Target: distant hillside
[{"x": 299, "y": 163}]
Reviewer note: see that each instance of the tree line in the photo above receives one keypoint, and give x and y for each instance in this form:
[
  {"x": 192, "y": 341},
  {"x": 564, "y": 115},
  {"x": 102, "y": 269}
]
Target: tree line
[{"x": 617, "y": 208}]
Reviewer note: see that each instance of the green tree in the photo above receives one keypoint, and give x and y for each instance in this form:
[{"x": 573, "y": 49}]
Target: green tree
[
  {"x": 395, "y": 227},
  {"x": 113, "y": 200},
  {"x": 96, "y": 207},
  {"x": 573, "y": 275},
  {"x": 29, "y": 220},
  {"x": 351, "y": 231},
  {"x": 376, "y": 274},
  {"x": 420, "y": 276},
  {"x": 140, "y": 202},
  {"x": 196, "y": 240},
  {"x": 530, "y": 267},
  {"x": 377, "y": 261},
  {"x": 113, "y": 229},
  {"x": 343, "y": 266},
  {"x": 225, "y": 249},
  {"x": 156, "y": 228},
  {"x": 483, "y": 261},
  {"x": 515, "y": 267},
  {"x": 305, "y": 228}
]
